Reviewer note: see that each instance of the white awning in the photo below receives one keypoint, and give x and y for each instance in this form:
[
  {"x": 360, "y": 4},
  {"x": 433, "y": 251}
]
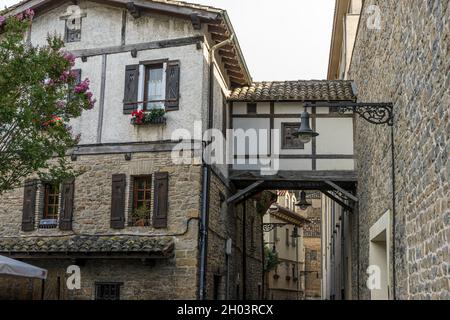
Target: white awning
[{"x": 13, "y": 267}]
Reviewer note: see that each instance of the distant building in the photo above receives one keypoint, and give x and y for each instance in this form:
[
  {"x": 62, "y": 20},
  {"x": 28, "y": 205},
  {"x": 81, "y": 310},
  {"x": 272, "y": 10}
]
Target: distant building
[
  {"x": 312, "y": 246},
  {"x": 286, "y": 223}
]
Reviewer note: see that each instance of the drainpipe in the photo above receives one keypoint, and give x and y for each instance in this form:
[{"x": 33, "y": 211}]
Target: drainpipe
[{"x": 206, "y": 177}]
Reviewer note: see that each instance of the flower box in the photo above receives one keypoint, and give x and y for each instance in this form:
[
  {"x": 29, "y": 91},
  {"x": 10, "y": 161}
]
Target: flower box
[{"x": 152, "y": 117}]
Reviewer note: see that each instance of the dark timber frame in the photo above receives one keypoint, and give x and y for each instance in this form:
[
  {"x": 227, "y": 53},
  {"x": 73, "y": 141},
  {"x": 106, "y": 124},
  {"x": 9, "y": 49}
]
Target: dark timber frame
[{"x": 340, "y": 186}]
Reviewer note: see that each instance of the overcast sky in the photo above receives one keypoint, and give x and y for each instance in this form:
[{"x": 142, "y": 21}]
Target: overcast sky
[{"x": 282, "y": 39}]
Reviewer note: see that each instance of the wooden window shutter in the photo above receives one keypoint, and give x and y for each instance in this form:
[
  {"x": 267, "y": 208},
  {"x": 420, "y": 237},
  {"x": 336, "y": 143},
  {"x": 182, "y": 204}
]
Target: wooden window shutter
[
  {"x": 172, "y": 86},
  {"x": 161, "y": 200},
  {"x": 131, "y": 88},
  {"x": 118, "y": 201},
  {"x": 29, "y": 205},
  {"x": 68, "y": 192}
]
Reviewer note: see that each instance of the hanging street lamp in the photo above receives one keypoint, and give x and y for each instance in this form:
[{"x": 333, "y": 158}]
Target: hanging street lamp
[
  {"x": 303, "y": 204},
  {"x": 305, "y": 133}
]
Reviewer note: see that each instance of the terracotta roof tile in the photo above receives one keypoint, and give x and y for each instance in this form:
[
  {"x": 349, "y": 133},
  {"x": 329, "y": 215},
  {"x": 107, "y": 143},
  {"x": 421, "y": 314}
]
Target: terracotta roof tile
[
  {"x": 302, "y": 90},
  {"x": 87, "y": 244}
]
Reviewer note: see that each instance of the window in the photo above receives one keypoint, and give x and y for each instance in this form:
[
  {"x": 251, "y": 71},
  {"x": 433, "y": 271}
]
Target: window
[
  {"x": 73, "y": 30},
  {"x": 287, "y": 237},
  {"x": 251, "y": 108},
  {"x": 51, "y": 206},
  {"x": 313, "y": 255},
  {"x": 295, "y": 271},
  {"x": 154, "y": 92},
  {"x": 294, "y": 238},
  {"x": 288, "y": 140},
  {"x": 107, "y": 291},
  {"x": 141, "y": 201}
]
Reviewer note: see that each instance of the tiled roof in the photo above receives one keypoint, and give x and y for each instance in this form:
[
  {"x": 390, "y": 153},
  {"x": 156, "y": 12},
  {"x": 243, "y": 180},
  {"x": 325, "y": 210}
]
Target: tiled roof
[
  {"x": 302, "y": 90},
  {"x": 287, "y": 215},
  {"x": 170, "y": 2},
  {"x": 87, "y": 245}
]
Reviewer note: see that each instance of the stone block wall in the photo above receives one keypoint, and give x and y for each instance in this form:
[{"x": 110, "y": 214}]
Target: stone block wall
[
  {"x": 312, "y": 267},
  {"x": 226, "y": 222},
  {"x": 172, "y": 278},
  {"x": 406, "y": 62}
]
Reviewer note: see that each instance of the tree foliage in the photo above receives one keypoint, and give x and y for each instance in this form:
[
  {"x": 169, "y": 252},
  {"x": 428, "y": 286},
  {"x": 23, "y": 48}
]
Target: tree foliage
[
  {"x": 271, "y": 259},
  {"x": 39, "y": 95}
]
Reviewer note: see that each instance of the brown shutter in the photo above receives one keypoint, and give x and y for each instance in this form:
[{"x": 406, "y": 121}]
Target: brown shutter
[
  {"x": 172, "y": 86},
  {"x": 161, "y": 200},
  {"x": 29, "y": 205},
  {"x": 118, "y": 201},
  {"x": 131, "y": 88},
  {"x": 68, "y": 192}
]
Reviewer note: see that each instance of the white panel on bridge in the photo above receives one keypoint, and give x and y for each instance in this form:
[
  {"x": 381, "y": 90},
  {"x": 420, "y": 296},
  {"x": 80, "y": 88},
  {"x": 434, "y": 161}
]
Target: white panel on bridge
[
  {"x": 335, "y": 136},
  {"x": 335, "y": 164}
]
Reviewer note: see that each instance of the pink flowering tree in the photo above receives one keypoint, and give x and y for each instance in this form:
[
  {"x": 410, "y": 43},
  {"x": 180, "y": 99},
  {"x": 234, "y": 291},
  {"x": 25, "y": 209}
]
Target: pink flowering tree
[{"x": 39, "y": 95}]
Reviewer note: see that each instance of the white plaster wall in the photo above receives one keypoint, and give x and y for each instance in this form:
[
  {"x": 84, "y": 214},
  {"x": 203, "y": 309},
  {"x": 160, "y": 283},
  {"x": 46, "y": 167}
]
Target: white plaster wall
[
  {"x": 240, "y": 108},
  {"x": 335, "y": 136},
  {"x": 247, "y": 123},
  {"x": 116, "y": 125},
  {"x": 335, "y": 164},
  {"x": 158, "y": 27},
  {"x": 100, "y": 28},
  {"x": 296, "y": 164},
  {"x": 290, "y": 108},
  {"x": 87, "y": 124}
]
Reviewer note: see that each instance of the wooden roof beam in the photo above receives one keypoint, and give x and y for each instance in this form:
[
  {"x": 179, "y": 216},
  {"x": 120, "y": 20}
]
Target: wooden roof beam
[
  {"x": 230, "y": 61},
  {"x": 232, "y": 67},
  {"x": 219, "y": 37},
  {"x": 235, "y": 80},
  {"x": 228, "y": 54},
  {"x": 217, "y": 29},
  {"x": 236, "y": 75}
]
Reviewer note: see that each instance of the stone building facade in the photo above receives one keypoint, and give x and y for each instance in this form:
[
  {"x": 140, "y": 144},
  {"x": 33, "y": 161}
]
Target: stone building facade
[
  {"x": 284, "y": 235},
  {"x": 313, "y": 248},
  {"x": 401, "y": 56},
  {"x": 136, "y": 219}
]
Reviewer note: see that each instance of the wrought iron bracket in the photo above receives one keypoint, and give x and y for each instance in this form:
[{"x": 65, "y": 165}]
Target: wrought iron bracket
[
  {"x": 267, "y": 227},
  {"x": 375, "y": 113}
]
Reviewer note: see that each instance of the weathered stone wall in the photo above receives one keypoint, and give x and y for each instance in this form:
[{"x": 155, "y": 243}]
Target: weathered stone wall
[
  {"x": 139, "y": 281},
  {"x": 171, "y": 278},
  {"x": 227, "y": 222},
  {"x": 312, "y": 267},
  {"x": 220, "y": 229},
  {"x": 407, "y": 62}
]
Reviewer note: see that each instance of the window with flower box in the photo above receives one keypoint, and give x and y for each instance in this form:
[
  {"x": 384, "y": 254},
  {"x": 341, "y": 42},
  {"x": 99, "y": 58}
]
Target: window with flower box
[
  {"x": 152, "y": 85},
  {"x": 142, "y": 188}
]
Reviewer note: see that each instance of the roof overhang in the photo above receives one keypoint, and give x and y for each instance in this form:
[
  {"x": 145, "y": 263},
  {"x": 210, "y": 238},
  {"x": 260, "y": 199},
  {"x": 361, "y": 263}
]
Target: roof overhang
[
  {"x": 287, "y": 215},
  {"x": 218, "y": 26},
  {"x": 341, "y": 8},
  {"x": 88, "y": 247}
]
